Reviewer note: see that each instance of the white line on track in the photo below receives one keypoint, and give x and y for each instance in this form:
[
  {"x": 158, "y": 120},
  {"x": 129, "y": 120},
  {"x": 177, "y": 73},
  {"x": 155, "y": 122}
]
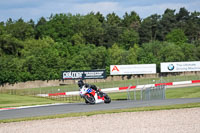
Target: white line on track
[{"x": 34, "y": 106}]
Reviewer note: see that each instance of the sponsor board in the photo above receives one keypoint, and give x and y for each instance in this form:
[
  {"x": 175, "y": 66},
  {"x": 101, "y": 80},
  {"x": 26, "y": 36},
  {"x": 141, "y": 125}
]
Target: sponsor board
[
  {"x": 180, "y": 66},
  {"x": 132, "y": 69},
  {"x": 86, "y": 74}
]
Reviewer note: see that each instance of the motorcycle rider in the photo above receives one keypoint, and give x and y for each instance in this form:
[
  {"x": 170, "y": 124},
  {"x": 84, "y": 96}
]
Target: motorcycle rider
[{"x": 81, "y": 84}]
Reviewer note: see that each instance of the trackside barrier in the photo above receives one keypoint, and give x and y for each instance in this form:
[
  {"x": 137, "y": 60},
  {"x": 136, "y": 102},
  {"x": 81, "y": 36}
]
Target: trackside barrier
[
  {"x": 152, "y": 93},
  {"x": 128, "y": 92},
  {"x": 195, "y": 81},
  {"x": 147, "y": 93},
  {"x": 125, "y": 88},
  {"x": 57, "y": 94}
]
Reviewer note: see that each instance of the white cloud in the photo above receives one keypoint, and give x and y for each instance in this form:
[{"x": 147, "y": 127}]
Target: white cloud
[
  {"x": 35, "y": 9},
  {"x": 145, "y": 11},
  {"x": 103, "y": 7}
]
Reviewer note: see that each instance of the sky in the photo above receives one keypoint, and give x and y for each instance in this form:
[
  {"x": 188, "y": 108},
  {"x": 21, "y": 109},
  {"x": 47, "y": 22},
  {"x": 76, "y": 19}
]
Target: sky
[{"x": 35, "y": 9}]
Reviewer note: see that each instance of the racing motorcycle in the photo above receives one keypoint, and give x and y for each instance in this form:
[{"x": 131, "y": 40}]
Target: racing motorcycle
[{"x": 91, "y": 96}]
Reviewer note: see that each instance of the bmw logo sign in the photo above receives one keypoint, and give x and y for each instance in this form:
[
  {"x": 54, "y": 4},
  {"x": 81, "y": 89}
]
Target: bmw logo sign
[{"x": 171, "y": 67}]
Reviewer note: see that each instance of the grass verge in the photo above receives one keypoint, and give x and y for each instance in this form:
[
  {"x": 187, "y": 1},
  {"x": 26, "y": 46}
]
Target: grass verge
[
  {"x": 152, "y": 108},
  {"x": 103, "y": 84},
  {"x": 185, "y": 92},
  {"x": 8, "y": 100}
]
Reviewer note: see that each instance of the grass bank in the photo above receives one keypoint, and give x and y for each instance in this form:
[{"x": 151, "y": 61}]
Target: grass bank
[
  {"x": 106, "y": 84},
  {"x": 186, "y": 92},
  {"x": 7, "y": 100},
  {"x": 12, "y": 100}
]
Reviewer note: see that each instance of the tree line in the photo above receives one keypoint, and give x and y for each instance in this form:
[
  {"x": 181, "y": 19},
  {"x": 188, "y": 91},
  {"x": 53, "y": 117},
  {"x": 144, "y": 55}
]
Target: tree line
[{"x": 42, "y": 50}]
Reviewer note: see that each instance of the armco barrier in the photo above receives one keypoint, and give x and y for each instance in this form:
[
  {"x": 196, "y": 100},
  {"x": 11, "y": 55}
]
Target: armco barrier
[
  {"x": 195, "y": 81},
  {"x": 125, "y": 88}
]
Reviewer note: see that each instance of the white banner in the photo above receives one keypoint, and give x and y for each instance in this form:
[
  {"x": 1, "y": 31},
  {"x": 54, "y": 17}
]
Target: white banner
[
  {"x": 132, "y": 69},
  {"x": 180, "y": 66}
]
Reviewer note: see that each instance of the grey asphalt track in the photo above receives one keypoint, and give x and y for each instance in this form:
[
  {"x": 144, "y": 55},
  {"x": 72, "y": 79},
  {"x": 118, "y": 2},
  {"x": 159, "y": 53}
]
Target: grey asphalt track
[{"x": 82, "y": 107}]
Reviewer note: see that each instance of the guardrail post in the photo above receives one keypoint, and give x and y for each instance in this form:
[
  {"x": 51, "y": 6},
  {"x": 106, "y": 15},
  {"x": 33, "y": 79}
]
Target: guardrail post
[
  {"x": 128, "y": 92},
  {"x": 134, "y": 94}
]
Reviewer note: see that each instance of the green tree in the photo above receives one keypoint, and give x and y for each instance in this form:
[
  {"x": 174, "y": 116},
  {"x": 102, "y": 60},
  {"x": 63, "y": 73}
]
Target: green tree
[
  {"x": 40, "y": 51},
  {"x": 131, "y": 20},
  {"x": 172, "y": 53},
  {"x": 168, "y": 22},
  {"x": 133, "y": 53},
  {"x": 100, "y": 17},
  {"x": 77, "y": 38},
  {"x": 10, "y": 45},
  {"x": 81, "y": 58},
  {"x": 113, "y": 19},
  {"x": 176, "y": 36},
  {"x": 41, "y": 28},
  {"x": 151, "y": 53},
  {"x": 193, "y": 27},
  {"x": 92, "y": 29},
  {"x": 2, "y": 31},
  {"x": 128, "y": 38},
  {"x": 42, "y": 59},
  {"x": 112, "y": 28},
  {"x": 60, "y": 27},
  {"x": 182, "y": 15},
  {"x": 116, "y": 55},
  {"x": 20, "y": 29},
  {"x": 197, "y": 53},
  {"x": 150, "y": 29},
  {"x": 10, "y": 67},
  {"x": 2, "y": 28},
  {"x": 189, "y": 52},
  {"x": 99, "y": 58}
]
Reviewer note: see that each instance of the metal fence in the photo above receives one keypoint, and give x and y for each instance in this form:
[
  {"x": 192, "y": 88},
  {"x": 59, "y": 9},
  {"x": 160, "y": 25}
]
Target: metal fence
[
  {"x": 149, "y": 93},
  {"x": 152, "y": 93}
]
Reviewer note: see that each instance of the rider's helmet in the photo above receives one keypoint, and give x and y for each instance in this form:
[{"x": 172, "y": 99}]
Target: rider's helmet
[
  {"x": 87, "y": 85},
  {"x": 80, "y": 83}
]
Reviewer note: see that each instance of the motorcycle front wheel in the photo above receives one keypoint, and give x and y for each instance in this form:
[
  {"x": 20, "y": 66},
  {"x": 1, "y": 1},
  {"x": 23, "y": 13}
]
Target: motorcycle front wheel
[
  {"x": 107, "y": 99},
  {"x": 90, "y": 99}
]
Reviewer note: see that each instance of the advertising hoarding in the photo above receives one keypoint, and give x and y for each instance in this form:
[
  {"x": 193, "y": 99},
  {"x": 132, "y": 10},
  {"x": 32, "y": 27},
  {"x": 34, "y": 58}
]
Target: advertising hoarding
[
  {"x": 180, "y": 66},
  {"x": 85, "y": 74},
  {"x": 132, "y": 69}
]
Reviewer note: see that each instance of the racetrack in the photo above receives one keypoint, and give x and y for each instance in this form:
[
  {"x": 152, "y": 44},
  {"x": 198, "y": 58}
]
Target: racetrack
[{"x": 82, "y": 107}]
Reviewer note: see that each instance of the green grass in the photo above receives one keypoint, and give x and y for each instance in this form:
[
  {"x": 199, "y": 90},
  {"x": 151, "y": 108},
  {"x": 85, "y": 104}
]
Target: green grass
[
  {"x": 186, "y": 92},
  {"x": 110, "y": 84},
  {"x": 10, "y": 100},
  {"x": 142, "y": 81},
  {"x": 152, "y": 108},
  {"x": 123, "y": 95},
  {"x": 7, "y": 100}
]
